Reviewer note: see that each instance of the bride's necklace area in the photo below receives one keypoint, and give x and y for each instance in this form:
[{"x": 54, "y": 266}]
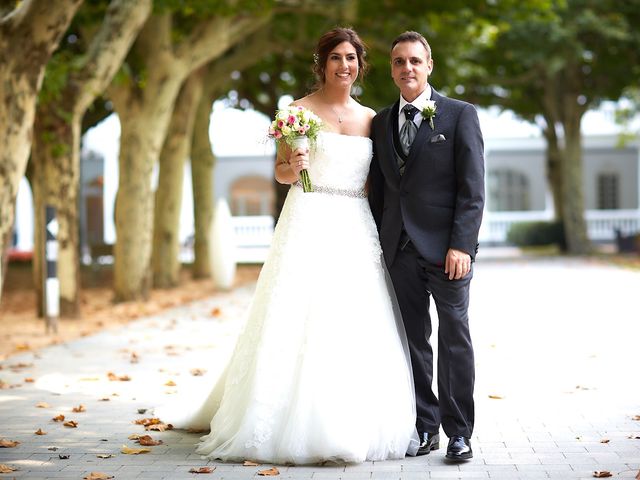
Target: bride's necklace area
[
  {"x": 340, "y": 115},
  {"x": 340, "y": 119}
]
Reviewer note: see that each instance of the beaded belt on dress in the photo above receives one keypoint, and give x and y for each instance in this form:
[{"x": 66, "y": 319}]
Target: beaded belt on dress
[{"x": 336, "y": 191}]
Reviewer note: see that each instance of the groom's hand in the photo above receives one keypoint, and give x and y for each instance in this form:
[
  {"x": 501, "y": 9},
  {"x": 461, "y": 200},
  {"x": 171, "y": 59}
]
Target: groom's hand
[{"x": 457, "y": 264}]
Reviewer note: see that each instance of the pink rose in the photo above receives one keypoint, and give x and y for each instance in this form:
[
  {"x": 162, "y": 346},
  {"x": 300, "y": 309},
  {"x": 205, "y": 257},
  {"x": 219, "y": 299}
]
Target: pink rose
[
  {"x": 291, "y": 120},
  {"x": 280, "y": 123},
  {"x": 302, "y": 130},
  {"x": 278, "y": 134}
]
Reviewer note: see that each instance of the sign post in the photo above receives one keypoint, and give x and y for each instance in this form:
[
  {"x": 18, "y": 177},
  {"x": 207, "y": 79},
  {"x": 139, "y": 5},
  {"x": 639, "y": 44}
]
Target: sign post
[{"x": 51, "y": 283}]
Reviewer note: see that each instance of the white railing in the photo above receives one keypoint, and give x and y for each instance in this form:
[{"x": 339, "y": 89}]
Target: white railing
[
  {"x": 253, "y": 237},
  {"x": 601, "y": 224}
]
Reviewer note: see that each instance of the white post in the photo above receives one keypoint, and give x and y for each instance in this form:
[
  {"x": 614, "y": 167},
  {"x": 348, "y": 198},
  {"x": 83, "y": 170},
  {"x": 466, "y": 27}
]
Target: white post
[
  {"x": 223, "y": 247},
  {"x": 51, "y": 282}
]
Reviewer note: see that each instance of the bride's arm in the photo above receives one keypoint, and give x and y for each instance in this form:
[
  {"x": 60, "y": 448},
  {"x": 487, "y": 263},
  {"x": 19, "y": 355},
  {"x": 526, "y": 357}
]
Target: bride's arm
[{"x": 290, "y": 163}]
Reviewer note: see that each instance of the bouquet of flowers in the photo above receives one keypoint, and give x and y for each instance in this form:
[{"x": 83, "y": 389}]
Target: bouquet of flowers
[{"x": 295, "y": 126}]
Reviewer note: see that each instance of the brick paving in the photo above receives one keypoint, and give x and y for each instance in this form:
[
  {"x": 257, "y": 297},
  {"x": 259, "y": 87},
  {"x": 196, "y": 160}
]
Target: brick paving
[{"x": 557, "y": 389}]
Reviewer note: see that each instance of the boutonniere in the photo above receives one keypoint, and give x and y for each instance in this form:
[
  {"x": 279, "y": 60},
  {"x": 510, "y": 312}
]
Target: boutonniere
[{"x": 429, "y": 111}]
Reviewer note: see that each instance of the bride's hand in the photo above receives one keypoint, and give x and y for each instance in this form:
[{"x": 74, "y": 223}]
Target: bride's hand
[{"x": 299, "y": 160}]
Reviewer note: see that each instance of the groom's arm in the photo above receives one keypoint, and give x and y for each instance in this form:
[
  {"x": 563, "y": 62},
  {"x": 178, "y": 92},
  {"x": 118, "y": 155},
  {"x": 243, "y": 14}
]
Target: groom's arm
[
  {"x": 469, "y": 160},
  {"x": 375, "y": 182}
]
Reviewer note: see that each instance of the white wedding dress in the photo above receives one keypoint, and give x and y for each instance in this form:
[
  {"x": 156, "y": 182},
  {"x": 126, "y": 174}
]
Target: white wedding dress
[{"x": 321, "y": 370}]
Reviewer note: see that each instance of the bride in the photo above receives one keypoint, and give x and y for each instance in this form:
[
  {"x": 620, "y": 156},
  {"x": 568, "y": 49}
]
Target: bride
[{"x": 320, "y": 371}]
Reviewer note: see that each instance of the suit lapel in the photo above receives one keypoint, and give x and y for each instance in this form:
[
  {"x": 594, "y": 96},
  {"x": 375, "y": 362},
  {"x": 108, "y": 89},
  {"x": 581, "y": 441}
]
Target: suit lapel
[
  {"x": 389, "y": 149},
  {"x": 424, "y": 132}
]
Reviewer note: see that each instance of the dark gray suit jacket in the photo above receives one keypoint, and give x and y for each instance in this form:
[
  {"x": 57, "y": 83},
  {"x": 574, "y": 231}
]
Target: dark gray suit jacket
[{"x": 440, "y": 197}]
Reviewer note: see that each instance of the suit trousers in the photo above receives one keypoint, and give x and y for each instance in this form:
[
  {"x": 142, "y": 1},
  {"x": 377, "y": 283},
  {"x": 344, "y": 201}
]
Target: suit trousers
[{"x": 415, "y": 280}]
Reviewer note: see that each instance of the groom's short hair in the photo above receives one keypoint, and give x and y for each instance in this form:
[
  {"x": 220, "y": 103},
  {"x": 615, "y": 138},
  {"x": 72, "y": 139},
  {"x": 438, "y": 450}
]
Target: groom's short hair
[{"x": 411, "y": 36}]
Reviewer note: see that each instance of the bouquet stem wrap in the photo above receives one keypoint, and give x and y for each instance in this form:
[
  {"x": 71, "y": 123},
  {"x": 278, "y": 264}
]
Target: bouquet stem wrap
[{"x": 303, "y": 143}]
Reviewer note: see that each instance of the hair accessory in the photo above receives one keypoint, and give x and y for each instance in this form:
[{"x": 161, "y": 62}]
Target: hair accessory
[{"x": 316, "y": 58}]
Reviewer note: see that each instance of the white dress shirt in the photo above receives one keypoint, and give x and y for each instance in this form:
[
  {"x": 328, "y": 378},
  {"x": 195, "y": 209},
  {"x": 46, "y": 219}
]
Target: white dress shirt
[{"x": 419, "y": 103}]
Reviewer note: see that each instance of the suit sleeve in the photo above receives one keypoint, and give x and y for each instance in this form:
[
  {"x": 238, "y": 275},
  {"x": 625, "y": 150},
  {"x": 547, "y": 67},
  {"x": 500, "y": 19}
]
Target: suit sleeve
[
  {"x": 376, "y": 183},
  {"x": 469, "y": 160}
]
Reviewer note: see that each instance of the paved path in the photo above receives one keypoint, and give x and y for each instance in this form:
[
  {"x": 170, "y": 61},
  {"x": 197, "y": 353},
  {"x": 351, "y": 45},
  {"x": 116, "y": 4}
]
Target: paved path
[{"x": 557, "y": 342}]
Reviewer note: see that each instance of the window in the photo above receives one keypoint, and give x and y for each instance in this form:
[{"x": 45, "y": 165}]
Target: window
[
  {"x": 508, "y": 191},
  {"x": 608, "y": 191},
  {"x": 252, "y": 195}
]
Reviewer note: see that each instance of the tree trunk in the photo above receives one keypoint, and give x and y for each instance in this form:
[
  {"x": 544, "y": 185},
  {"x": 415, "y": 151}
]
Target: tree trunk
[
  {"x": 57, "y": 141},
  {"x": 575, "y": 226},
  {"x": 554, "y": 170},
  {"x": 28, "y": 37},
  {"x": 56, "y": 182},
  {"x": 202, "y": 164},
  {"x": 145, "y": 113},
  {"x": 168, "y": 199}
]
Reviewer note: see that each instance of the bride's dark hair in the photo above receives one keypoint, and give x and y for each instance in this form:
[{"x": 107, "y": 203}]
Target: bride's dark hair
[{"x": 331, "y": 40}]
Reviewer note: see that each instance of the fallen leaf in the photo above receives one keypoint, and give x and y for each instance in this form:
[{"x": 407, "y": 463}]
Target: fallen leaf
[
  {"x": 134, "y": 436},
  {"x": 147, "y": 441},
  {"x": 605, "y": 440},
  {"x": 29, "y": 380},
  {"x": 197, "y": 372},
  {"x": 636, "y": 418},
  {"x": 105, "y": 455},
  {"x": 133, "y": 451},
  {"x": 147, "y": 421},
  {"x": 271, "y": 472},
  {"x": 202, "y": 470},
  {"x": 79, "y": 408},
  {"x": 170, "y": 383},
  {"x": 53, "y": 449},
  {"x": 159, "y": 427},
  {"x": 142, "y": 411},
  {"x": 21, "y": 347},
  {"x": 496, "y": 397},
  {"x": 71, "y": 424},
  {"x": 602, "y": 474},
  {"x": 134, "y": 358},
  {"x": 42, "y": 405},
  {"x": 40, "y": 432},
  {"x": 63, "y": 457},
  {"x": 17, "y": 366},
  {"x": 6, "y": 468},
  {"x": 8, "y": 443},
  {"x": 97, "y": 476},
  {"x": 215, "y": 312},
  {"x": 105, "y": 399},
  {"x": 118, "y": 378},
  {"x": 249, "y": 463},
  {"x": 59, "y": 418}
]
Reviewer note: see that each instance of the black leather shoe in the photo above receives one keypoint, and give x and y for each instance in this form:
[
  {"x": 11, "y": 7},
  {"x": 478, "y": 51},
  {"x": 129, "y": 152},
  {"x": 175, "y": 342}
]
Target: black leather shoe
[
  {"x": 459, "y": 448},
  {"x": 430, "y": 441}
]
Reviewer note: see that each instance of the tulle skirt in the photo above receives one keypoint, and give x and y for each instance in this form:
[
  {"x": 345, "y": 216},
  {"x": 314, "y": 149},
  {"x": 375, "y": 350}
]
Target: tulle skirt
[{"x": 320, "y": 371}]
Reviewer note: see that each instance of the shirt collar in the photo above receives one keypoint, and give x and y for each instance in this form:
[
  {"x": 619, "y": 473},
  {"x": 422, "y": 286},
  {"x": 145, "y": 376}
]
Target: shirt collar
[{"x": 420, "y": 100}]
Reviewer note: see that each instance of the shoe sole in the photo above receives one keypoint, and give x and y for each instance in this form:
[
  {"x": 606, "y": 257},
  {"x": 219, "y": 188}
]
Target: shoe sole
[
  {"x": 466, "y": 456},
  {"x": 420, "y": 454}
]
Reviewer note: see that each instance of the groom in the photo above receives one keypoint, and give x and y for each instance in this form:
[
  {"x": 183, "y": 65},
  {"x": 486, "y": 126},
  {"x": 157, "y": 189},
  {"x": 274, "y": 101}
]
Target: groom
[{"x": 427, "y": 195}]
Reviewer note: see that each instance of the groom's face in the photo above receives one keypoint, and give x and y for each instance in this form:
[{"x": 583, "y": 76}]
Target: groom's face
[{"x": 410, "y": 68}]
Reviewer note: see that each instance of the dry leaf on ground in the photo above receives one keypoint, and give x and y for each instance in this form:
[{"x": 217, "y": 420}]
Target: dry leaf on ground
[
  {"x": 59, "y": 418},
  {"x": 97, "y": 476},
  {"x": 496, "y": 397},
  {"x": 159, "y": 427},
  {"x": 118, "y": 378},
  {"x": 79, "y": 408},
  {"x": 105, "y": 455},
  {"x": 133, "y": 451},
  {"x": 40, "y": 432},
  {"x": 147, "y": 441},
  {"x": 6, "y": 468},
  {"x": 271, "y": 472},
  {"x": 602, "y": 474},
  {"x": 170, "y": 383},
  {"x": 8, "y": 443},
  {"x": 147, "y": 421},
  {"x": 249, "y": 463},
  {"x": 71, "y": 424},
  {"x": 197, "y": 372},
  {"x": 202, "y": 470},
  {"x": 605, "y": 440},
  {"x": 142, "y": 411},
  {"x": 29, "y": 380},
  {"x": 134, "y": 358},
  {"x": 636, "y": 417},
  {"x": 42, "y": 405},
  {"x": 105, "y": 399},
  {"x": 216, "y": 312}
]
